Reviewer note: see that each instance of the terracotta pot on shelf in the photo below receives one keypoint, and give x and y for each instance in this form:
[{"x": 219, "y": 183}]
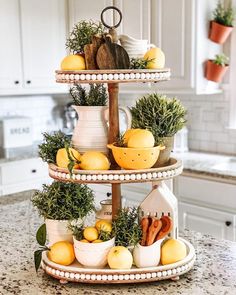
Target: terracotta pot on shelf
[
  {"x": 219, "y": 33},
  {"x": 214, "y": 72}
]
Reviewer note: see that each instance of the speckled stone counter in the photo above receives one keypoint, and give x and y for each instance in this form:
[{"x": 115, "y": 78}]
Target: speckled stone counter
[{"x": 214, "y": 271}]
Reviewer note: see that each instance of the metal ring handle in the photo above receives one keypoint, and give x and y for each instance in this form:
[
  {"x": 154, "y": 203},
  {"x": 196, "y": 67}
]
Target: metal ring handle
[{"x": 102, "y": 19}]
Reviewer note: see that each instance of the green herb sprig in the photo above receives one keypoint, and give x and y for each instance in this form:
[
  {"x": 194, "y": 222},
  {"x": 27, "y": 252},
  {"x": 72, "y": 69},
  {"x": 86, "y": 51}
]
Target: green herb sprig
[
  {"x": 139, "y": 62},
  {"x": 126, "y": 228},
  {"x": 224, "y": 16},
  {"x": 221, "y": 60},
  {"x": 82, "y": 34},
  {"x": 64, "y": 201},
  {"x": 51, "y": 144},
  {"x": 120, "y": 141},
  {"x": 96, "y": 96},
  {"x": 161, "y": 115}
]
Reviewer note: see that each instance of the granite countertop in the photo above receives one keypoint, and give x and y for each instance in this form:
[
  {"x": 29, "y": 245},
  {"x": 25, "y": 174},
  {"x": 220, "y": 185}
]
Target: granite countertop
[{"x": 214, "y": 271}]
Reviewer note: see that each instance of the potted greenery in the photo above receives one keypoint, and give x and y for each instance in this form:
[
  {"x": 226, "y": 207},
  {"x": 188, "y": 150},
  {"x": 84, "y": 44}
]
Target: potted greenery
[
  {"x": 61, "y": 202},
  {"x": 163, "y": 116},
  {"x": 222, "y": 24},
  {"x": 90, "y": 132},
  {"x": 216, "y": 68},
  {"x": 126, "y": 228}
]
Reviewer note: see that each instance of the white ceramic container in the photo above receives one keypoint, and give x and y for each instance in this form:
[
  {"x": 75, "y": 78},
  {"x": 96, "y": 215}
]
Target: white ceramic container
[
  {"x": 57, "y": 230},
  {"x": 93, "y": 254},
  {"x": 147, "y": 256},
  {"x": 90, "y": 132}
]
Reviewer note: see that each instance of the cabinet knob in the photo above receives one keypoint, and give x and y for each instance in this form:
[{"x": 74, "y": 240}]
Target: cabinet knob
[
  {"x": 28, "y": 82},
  {"x": 228, "y": 223},
  {"x": 108, "y": 195},
  {"x": 16, "y": 82},
  {"x": 33, "y": 170}
]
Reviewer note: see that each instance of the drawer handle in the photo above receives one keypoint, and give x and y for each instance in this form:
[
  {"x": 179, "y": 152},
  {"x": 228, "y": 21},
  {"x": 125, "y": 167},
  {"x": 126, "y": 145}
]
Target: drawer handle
[
  {"x": 16, "y": 82},
  {"x": 228, "y": 223},
  {"x": 33, "y": 171},
  {"x": 28, "y": 82},
  {"x": 108, "y": 195}
]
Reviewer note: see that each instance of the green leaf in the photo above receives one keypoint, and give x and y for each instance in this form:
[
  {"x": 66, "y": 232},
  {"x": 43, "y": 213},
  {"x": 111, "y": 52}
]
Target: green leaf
[
  {"x": 41, "y": 235},
  {"x": 37, "y": 259}
]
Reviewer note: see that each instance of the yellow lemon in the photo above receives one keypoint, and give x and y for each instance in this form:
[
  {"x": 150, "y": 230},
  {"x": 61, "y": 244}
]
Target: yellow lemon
[
  {"x": 90, "y": 233},
  {"x": 62, "y": 253},
  {"x": 103, "y": 225},
  {"x": 172, "y": 251},
  {"x": 84, "y": 241},
  {"x": 129, "y": 133},
  {"x": 97, "y": 241},
  {"x": 93, "y": 160},
  {"x": 73, "y": 62},
  {"x": 62, "y": 159},
  {"x": 157, "y": 57},
  {"x": 141, "y": 139},
  {"x": 119, "y": 257}
]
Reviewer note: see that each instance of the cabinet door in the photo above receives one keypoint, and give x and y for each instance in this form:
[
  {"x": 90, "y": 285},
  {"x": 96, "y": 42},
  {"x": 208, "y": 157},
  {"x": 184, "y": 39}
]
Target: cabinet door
[
  {"x": 216, "y": 223},
  {"x": 10, "y": 50},
  {"x": 43, "y": 39},
  {"x": 88, "y": 10},
  {"x": 136, "y": 20}
]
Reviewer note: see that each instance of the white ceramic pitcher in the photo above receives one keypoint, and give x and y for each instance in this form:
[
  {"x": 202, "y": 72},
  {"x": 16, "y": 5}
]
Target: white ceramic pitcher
[{"x": 91, "y": 130}]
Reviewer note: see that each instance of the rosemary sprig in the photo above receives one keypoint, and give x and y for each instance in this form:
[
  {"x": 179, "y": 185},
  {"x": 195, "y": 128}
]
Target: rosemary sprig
[{"x": 139, "y": 62}]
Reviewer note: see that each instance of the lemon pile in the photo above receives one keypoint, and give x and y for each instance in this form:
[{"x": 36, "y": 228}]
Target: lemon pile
[{"x": 91, "y": 233}]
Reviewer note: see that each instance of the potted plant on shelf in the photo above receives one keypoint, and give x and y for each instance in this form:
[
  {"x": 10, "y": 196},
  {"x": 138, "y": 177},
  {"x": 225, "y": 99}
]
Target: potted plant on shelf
[
  {"x": 163, "y": 116},
  {"x": 59, "y": 203},
  {"x": 126, "y": 228},
  {"x": 222, "y": 24},
  {"x": 90, "y": 132},
  {"x": 216, "y": 68}
]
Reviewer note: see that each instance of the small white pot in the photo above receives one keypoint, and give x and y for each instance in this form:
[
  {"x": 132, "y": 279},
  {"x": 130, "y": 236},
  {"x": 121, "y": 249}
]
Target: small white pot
[
  {"x": 147, "y": 256},
  {"x": 93, "y": 254},
  {"x": 57, "y": 230}
]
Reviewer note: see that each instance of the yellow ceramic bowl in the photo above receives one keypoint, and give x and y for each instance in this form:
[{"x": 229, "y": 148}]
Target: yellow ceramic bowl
[{"x": 135, "y": 158}]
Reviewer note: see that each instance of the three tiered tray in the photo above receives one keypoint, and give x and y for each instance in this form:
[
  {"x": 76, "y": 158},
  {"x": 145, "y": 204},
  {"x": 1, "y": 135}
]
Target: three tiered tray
[{"x": 116, "y": 176}]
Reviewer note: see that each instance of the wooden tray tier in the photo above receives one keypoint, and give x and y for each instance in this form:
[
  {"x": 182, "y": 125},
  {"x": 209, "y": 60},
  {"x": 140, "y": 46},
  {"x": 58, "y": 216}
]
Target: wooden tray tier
[
  {"x": 77, "y": 273},
  {"x": 112, "y": 76},
  {"x": 117, "y": 176}
]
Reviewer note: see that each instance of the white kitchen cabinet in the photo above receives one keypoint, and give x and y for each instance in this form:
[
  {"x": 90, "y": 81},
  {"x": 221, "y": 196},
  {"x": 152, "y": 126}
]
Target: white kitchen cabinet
[
  {"x": 219, "y": 224},
  {"x": 88, "y": 10},
  {"x": 206, "y": 205},
  {"x": 21, "y": 175},
  {"x": 33, "y": 44}
]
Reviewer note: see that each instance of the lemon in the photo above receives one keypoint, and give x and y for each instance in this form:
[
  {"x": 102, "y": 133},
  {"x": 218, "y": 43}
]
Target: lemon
[
  {"x": 97, "y": 241},
  {"x": 62, "y": 159},
  {"x": 157, "y": 56},
  {"x": 84, "y": 241},
  {"x": 172, "y": 251},
  {"x": 90, "y": 233},
  {"x": 128, "y": 134},
  {"x": 92, "y": 160},
  {"x": 62, "y": 253},
  {"x": 73, "y": 63},
  {"x": 141, "y": 139},
  {"x": 103, "y": 225}
]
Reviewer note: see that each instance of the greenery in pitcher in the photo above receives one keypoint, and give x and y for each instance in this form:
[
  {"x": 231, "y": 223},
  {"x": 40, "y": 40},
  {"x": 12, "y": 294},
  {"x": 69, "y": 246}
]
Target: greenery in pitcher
[
  {"x": 64, "y": 201},
  {"x": 96, "y": 96},
  {"x": 126, "y": 228},
  {"x": 161, "y": 115},
  {"x": 51, "y": 144},
  {"x": 224, "y": 16},
  {"x": 82, "y": 34}
]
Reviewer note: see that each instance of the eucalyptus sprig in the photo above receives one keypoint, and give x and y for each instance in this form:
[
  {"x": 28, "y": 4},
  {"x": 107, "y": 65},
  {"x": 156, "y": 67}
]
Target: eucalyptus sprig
[
  {"x": 96, "y": 96},
  {"x": 64, "y": 201},
  {"x": 82, "y": 34},
  {"x": 126, "y": 227},
  {"x": 161, "y": 115},
  {"x": 41, "y": 239},
  {"x": 51, "y": 144}
]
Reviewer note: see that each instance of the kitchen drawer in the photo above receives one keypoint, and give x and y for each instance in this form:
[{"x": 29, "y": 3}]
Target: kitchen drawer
[
  {"x": 206, "y": 192},
  {"x": 22, "y": 171},
  {"x": 219, "y": 224}
]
